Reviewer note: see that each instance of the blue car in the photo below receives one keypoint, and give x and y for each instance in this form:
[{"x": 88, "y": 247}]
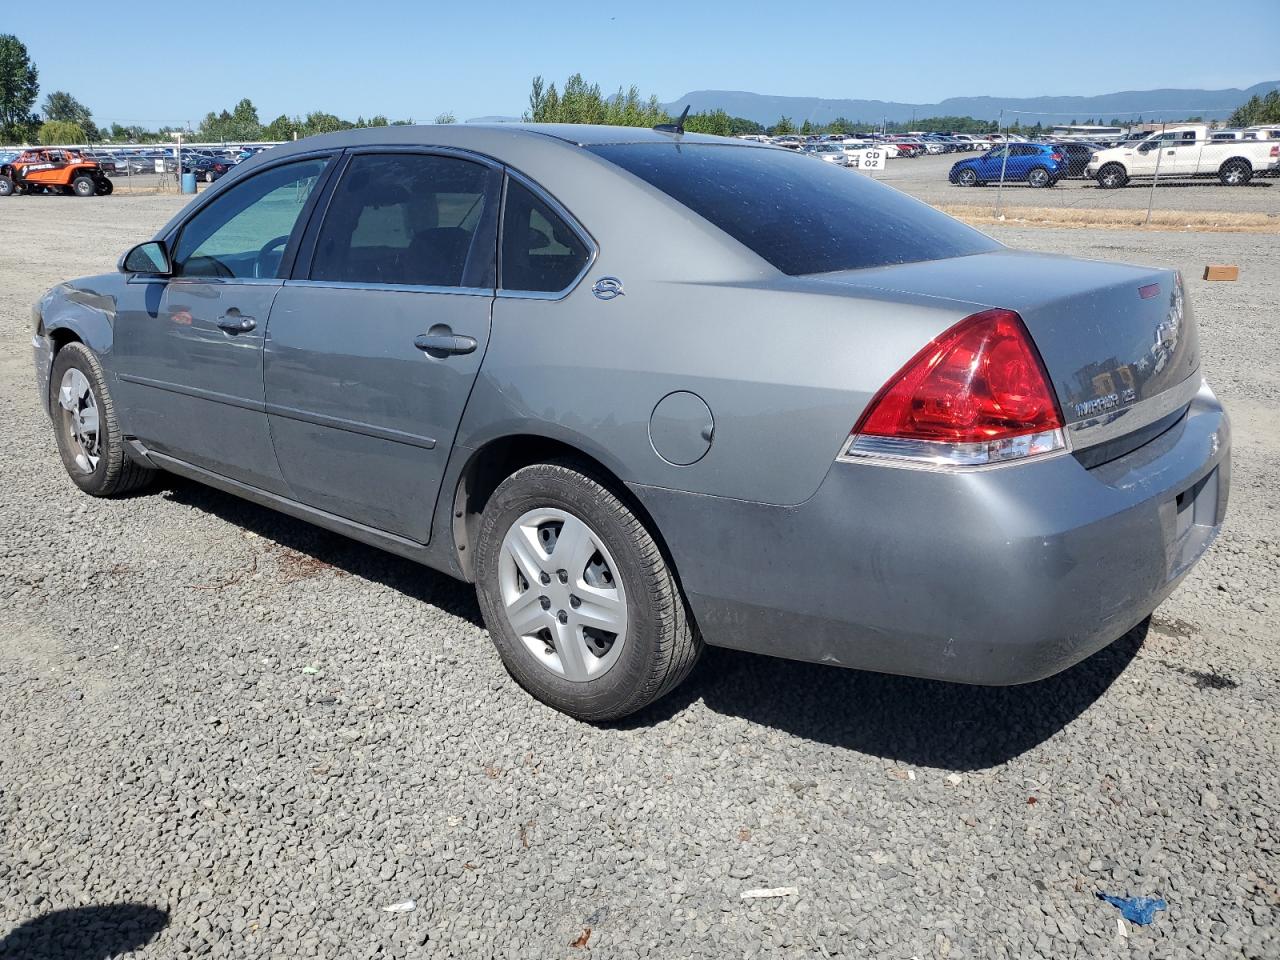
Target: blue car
[{"x": 1036, "y": 164}]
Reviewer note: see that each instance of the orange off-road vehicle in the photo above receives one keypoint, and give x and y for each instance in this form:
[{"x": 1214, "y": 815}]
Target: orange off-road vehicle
[{"x": 53, "y": 169}]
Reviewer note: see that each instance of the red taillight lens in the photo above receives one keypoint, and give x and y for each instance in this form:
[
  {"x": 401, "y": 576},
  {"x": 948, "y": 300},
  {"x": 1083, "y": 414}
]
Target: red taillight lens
[
  {"x": 976, "y": 394},
  {"x": 1055, "y": 156}
]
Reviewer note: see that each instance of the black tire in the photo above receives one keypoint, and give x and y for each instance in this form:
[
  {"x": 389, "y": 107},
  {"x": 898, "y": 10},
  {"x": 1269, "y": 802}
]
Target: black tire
[
  {"x": 968, "y": 178},
  {"x": 1112, "y": 176},
  {"x": 115, "y": 473},
  {"x": 105, "y": 187},
  {"x": 208, "y": 176},
  {"x": 661, "y": 644},
  {"x": 6, "y": 185},
  {"x": 1235, "y": 172},
  {"x": 1039, "y": 177},
  {"x": 84, "y": 186}
]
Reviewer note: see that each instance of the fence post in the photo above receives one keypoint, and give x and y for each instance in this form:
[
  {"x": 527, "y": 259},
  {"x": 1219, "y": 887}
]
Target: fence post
[
  {"x": 1151, "y": 197},
  {"x": 1004, "y": 162}
]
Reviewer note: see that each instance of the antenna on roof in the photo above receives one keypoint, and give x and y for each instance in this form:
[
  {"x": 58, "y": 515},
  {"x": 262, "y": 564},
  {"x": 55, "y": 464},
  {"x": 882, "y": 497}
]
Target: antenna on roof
[{"x": 677, "y": 127}]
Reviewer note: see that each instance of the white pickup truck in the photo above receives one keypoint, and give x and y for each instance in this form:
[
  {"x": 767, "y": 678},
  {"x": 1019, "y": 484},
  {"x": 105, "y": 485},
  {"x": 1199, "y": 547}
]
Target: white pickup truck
[{"x": 1181, "y": 153}]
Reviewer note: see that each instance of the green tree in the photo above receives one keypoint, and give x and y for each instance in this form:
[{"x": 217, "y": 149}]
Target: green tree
[
  {"x": 715, "y": 122},
  {"x": 784, "y": 125},
  {"x": 1257, "y": 110},
  {"x": 61, "y": 105},
  {"x": 281, "y": 128},
  {"x": 446, "y": 117},
  {"x": 62, "y": 132},
  {"x": 19, "y": 85}
]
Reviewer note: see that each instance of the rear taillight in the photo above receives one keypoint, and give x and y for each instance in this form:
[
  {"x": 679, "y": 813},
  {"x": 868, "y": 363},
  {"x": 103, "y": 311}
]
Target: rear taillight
[
  {"x": 1055, "y": 156},
  {"x": 978, "y": 394},
  {"x": 1275, "y": 151}
]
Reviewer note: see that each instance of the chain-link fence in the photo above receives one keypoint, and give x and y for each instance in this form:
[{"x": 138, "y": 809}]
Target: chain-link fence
[
  {"x": 150, "y": 168},
  {"x": 1184, "y": 173}
]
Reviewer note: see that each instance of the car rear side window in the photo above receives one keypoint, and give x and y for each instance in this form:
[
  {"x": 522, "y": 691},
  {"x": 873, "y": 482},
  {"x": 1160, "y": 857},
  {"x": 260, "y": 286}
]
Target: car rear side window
[
  {"x": 403, "y": 218},
  {"x": 540, "y": 252},
  {"x": 800, "y": 215}
]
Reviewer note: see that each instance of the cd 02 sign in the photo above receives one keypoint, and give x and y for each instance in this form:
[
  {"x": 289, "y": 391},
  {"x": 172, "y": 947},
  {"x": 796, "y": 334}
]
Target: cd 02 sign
[{"x": 870, "y": 159}]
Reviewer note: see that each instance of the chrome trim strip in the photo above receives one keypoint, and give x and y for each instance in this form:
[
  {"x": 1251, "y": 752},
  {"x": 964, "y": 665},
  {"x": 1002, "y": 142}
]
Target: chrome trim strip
[
  {"x": 593, "y": 248},
  {"x": 257, "y": 406},
  {"x": 392, "y": 287},
  {"x": 1116, "y": 423},
  {"x": 351, "y": 426}
]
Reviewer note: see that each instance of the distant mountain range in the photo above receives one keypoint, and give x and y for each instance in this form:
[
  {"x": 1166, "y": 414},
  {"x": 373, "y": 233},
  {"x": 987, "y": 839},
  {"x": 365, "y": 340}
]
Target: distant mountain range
[{"x": 1127, "y": 105}]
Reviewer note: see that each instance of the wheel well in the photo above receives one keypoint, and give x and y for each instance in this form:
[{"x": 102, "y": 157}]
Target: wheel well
[
  {"x": 61, "y": 337},
  {"x": 1231, "y": 160},
  {"x": 499, "y": 459}
]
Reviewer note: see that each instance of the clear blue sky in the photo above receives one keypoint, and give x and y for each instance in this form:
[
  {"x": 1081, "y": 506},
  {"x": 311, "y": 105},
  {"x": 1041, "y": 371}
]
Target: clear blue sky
[{"x": 171, "y": 62}]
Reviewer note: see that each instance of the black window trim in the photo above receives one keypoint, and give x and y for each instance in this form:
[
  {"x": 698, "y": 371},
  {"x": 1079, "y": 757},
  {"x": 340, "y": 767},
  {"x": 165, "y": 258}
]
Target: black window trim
[
  {"x": 572, "y": 222},
  {"x": 299, "y": 276},
  {"x": 170, "y": 238}
]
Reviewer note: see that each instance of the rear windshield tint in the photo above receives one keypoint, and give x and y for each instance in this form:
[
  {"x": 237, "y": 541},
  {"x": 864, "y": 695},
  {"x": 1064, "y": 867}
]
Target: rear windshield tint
[{"x": 799, "y": 213}]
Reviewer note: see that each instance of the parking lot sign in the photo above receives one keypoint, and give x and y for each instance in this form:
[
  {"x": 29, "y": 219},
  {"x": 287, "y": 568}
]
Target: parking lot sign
[{"x": 870, "y": 159}]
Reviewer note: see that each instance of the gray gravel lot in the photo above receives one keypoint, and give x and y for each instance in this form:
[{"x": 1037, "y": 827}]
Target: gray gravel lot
[
  {"x": 926, "y": 178},
  {"x": 254, "y": 736}
]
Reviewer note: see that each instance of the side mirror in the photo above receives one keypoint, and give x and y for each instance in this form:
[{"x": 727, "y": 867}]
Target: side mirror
[{"x": 150, "y": 258}]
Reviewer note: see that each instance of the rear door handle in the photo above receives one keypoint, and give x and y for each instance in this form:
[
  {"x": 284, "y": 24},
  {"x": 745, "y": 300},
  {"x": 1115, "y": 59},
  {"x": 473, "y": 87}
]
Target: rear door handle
[
  {"x": 444, "y": 343},
  {"x": 235, "y": 323}
]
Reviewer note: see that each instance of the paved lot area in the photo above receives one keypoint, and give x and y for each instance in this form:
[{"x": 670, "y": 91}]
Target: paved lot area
[
  {"x": 926, "y": 178},
  {"x": 250, "y": 737}
]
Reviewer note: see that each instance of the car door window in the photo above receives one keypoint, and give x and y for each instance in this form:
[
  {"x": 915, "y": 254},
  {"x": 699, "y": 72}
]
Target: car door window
[
  {"x": 413, "y": 219},
  {"x": 541, "y": 253},
  {"x": 243, "y": 233}
]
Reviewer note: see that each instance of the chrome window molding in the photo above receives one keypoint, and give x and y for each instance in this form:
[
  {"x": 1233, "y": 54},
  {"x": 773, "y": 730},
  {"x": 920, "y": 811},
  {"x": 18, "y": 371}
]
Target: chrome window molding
[
  {"x": 391, "y": 287},
  {"x": 593, "y": 249}
]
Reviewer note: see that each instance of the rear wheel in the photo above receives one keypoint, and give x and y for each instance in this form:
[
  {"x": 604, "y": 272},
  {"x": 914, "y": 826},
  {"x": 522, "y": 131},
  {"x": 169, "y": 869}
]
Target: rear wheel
[
  {"x": 84, "y": 420},
  {"x": 578, "y": 598},
  {"x": 84, "y": 186},
  {"x": 6, "y": 185},
  {"x": 1235, "y": 173},
  {"x": 1039, "y": 177},
  {"x": 1111, "y": 176}
]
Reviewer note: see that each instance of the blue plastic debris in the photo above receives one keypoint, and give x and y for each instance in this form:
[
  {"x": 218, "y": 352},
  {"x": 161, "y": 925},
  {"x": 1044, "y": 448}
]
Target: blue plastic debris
[{"x": 1139, "y": 910}]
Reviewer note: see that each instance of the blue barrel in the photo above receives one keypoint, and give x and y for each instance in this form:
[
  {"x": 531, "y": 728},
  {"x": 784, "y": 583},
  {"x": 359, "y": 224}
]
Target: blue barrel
[{"x": 188, "y": 183}]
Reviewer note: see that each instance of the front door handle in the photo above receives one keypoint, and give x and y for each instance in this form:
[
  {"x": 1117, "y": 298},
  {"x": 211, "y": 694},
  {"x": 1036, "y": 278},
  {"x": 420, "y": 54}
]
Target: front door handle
[
  {"x": 235, "y": 323},
  {"x": 444, "y": 343}
]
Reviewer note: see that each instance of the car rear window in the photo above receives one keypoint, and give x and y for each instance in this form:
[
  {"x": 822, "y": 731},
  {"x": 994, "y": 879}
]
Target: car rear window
[{"x": 796, "y": 212}]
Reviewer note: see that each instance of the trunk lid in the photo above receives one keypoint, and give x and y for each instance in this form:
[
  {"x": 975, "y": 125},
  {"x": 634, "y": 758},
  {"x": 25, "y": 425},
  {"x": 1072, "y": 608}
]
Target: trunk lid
[{"x": 1119, "y": 341}]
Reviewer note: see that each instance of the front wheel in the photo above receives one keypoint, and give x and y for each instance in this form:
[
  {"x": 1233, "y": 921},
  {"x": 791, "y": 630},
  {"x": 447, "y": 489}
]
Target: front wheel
[
  {"x": 84, "y": 419},
  {"x": 1235, "y": 173},
  {"x": 1112, "y": 176},
  {"x": 1039, "y": 177},
  {"x": 104, "y": 187},
  {"x": 579, "y": 600},
  {"x": 6, "y": 186},
  {"x": 967, "y": 178},
  {"x": 84, "y": 186}
]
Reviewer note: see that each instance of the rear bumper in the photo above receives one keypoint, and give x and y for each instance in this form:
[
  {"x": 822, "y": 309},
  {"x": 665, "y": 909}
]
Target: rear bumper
[{"x": 995, "y": 576}]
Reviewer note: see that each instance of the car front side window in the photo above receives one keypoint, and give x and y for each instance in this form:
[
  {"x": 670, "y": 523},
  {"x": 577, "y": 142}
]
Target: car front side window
[{"x": 243, "y": 233}]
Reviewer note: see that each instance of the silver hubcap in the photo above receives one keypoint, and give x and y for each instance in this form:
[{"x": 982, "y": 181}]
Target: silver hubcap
[
  {"x": 562, "y": 595},
  {"x": 80, "y": 419},
  {"x": 1038, "y": 177}
]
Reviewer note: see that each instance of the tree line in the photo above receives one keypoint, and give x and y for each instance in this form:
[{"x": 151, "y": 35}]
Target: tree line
[{"x": 64, "y": 119}]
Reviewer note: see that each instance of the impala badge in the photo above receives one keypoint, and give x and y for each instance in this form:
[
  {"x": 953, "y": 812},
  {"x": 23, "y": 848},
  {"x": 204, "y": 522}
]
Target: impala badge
[{"x": 607, "y": 288}]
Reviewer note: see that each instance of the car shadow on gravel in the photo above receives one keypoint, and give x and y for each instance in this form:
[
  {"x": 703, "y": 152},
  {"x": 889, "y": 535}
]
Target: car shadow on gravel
[
  {"x": 325, "y": 551},
  {"x": 84, "y": 933},
  {"x": 921, "y": 722},
  {"x": 924, "y": 723}
]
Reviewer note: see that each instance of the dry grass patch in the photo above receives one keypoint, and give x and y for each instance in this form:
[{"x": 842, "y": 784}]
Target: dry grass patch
[{"x": 1198, "y": 221}]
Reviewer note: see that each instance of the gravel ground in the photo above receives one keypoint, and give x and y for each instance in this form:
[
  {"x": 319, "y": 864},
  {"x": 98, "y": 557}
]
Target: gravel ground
[
  {"x": 248, "y": 737},
  {"x": 926, "y": 178}
]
